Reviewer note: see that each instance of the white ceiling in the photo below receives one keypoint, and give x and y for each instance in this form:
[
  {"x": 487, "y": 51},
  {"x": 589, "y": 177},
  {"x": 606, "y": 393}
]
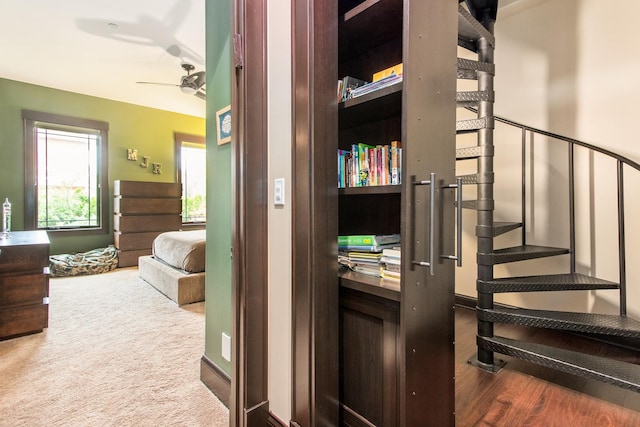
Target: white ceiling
[{"x": 103, "y": 47}]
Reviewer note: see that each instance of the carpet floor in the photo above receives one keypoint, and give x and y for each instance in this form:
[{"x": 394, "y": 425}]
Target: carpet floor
[{"x": 116, "y": 353}]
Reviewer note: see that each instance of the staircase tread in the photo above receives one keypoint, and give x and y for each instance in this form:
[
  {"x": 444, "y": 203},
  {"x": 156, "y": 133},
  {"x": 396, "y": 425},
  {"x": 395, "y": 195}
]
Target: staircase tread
[
  {"x": 614, "y": 325},
  {"x": 529, "y": 249},
  {"x": 622, "y": 374},
  {"x": 553, "y": 282},
  {"x": 519, "y": 253},
  {"x": 557, "y": 279},
  {"x": 469, "y": 29}
]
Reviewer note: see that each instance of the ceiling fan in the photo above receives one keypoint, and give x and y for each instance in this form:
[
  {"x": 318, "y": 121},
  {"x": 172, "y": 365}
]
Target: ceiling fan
[{"x": 191, "y": 83}]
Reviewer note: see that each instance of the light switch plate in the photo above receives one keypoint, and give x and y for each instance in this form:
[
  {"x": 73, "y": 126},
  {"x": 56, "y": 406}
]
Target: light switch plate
[
  {"x": 226, "y": 347},
  {"x": 278, "y": 191}
]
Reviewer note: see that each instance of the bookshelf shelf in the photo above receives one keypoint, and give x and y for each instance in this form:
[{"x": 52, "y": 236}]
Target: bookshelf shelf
[
  {"x": 377, "y": 286},
  {"x": 374, "y": 189},
  {"x": 381, "y": 104}
]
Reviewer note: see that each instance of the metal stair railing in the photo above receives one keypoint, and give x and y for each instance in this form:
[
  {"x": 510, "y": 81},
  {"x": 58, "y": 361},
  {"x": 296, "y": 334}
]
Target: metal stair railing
[{"x": 528, "y": 133}]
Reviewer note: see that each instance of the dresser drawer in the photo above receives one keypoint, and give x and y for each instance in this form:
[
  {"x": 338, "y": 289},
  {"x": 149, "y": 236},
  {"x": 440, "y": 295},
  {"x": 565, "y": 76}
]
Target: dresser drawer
[
  {"x": 23, "y": 258},
  {"x": 23, "y": 320},
  {"x": 142, "y": 223},
  {"x": 23, "y": 289}
]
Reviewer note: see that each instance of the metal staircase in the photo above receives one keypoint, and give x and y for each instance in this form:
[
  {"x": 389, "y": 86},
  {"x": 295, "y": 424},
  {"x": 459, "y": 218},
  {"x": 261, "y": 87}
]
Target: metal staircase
[{"x": 475, "y": 28}]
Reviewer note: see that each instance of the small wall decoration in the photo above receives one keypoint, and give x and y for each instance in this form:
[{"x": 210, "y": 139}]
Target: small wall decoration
[
  {"x": 157, "y": 168},
  {"x": 145, "y": 162},
  {"x": 223, "y": 125},
  {"x": 132, "y": 154}
]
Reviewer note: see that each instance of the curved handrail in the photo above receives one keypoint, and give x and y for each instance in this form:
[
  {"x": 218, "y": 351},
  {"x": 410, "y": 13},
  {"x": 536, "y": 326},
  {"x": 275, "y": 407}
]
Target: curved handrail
[
  {"x": 621, "y": 160},
  {"x": 604, "y": 151}
]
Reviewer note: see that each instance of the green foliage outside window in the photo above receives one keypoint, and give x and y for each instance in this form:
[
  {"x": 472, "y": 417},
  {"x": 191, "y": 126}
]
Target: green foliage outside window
[{"x": 67, "y": 207}]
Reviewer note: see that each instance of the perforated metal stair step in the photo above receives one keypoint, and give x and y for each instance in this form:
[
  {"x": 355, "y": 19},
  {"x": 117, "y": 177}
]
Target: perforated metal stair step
[
  {"x": 470, "y": 31},
  {"x": 519, "y": 253},
  {"x": 466, "y": 153},
  {"x": 472, "y": 98},
  {"x": 621, "y": 374},
  {"x": 590, "y": 323},
  {"x": 472, "y": 125},
  {"x": 468, "y": 69},
  {"x": 554, "y": 282}
]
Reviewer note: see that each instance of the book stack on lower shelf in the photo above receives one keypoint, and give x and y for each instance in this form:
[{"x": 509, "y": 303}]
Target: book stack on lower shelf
[
  {"x": 390, "y": 264},
  {"x": 364, "y": 254}
]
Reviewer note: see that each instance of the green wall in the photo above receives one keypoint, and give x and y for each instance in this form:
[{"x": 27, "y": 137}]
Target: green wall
[
  {"x": 130, "y": 126},
  {"x": 219, "y": 225}
]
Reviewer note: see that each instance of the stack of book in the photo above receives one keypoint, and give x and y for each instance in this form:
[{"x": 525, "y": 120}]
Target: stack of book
[
  {"x": 390, "y": 264},
  {"x": 363, "y": 253},
  {"x": 368, "y": 165}
]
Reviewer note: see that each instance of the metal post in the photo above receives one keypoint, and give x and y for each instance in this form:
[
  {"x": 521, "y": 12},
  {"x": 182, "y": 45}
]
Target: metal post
[
  {"x": 572, "y": 211},
  {"x": 485, "y": 196},
  {"x": 622, "y": 257}
]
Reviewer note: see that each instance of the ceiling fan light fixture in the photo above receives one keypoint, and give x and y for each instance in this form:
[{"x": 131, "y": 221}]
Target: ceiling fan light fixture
[{"x": 189, "y": 88}]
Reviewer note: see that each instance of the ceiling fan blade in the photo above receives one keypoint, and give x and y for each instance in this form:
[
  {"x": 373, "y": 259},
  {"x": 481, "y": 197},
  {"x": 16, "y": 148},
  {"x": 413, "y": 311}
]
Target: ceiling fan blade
[
  {"x": 160, "y": 84},
  {"x": 200, "y": 95}
]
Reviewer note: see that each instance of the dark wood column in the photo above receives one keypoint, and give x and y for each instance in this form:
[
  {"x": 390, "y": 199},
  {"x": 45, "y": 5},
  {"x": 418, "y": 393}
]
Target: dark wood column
[{"x": 249, "y": 405}]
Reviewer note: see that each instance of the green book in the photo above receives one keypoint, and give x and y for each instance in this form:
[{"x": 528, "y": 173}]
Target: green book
[{"x": 368, "y": 239}]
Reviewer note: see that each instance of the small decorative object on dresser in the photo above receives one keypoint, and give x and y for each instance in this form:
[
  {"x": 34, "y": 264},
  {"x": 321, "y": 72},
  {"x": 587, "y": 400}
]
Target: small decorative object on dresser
[{"x": 24, "y": 283}]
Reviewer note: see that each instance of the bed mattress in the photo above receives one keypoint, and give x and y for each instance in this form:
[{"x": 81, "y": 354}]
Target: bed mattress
[{"x": 184, "y": 250}]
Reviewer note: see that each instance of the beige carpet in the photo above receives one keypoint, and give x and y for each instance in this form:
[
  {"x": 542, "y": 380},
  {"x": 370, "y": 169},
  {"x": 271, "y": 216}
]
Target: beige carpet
[{"x": 116, "y": 353}]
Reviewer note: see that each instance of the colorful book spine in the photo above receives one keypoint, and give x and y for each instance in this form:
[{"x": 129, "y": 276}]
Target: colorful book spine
[{"x": 368, "y": 239}]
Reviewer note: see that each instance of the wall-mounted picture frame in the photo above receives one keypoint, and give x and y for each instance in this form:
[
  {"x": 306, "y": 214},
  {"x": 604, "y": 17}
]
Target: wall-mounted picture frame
[{"x": 223, "y": 125}]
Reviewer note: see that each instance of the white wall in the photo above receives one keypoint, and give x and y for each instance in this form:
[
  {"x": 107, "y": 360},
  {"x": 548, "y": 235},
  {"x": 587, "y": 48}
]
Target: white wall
[
  {"x": 279, "y": 124},
  {"x": 569, "y": 67}
]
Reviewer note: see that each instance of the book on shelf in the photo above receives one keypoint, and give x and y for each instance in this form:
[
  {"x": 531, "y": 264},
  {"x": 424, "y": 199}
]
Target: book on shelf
[
  {"x": 347, "y": 85},
  {"x": 391, "y": 256},
  {"x": 368, "y": 239},
  {"x": 377, "y": 85},
  {"x": 396, "y": 162},
  {"x": 366, "y": 248},
  {"x": 396, "y": 69}
]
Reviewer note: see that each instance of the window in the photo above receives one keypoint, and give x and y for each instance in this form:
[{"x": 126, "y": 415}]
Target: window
[
  {"x": 192, "y": 174},
  {"x": 66, "y": 173}
]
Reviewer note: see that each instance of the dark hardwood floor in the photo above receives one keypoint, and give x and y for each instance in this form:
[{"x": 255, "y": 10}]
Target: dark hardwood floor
[{"x": 524, "y": 394}]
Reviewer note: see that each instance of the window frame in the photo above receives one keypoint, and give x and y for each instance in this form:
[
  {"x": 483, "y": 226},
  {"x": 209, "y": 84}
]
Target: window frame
[
  {"x": 179, "y": 138},
  {"x": 30, "y": 120}
]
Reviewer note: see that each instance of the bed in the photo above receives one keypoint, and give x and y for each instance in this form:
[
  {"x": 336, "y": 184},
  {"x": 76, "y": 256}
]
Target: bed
[{"x": 176, "y": 267}]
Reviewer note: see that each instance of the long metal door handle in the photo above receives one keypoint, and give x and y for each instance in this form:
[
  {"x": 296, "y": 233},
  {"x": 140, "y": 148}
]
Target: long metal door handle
[
  {"x": 458, "y": 256},
  {"x": 432, "y": 205}
]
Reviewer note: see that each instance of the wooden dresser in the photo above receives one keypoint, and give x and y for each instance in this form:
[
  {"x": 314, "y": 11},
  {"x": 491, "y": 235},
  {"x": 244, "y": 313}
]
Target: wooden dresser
[
  {"x": 142, "y": 210},
  {"x": 24, "y": 283}
]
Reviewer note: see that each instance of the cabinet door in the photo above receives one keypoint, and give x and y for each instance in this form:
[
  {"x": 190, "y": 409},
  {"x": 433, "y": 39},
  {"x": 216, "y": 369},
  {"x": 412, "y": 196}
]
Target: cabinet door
[
  {"x": 427, "y": 393},
  {"x": 368, "y": 359}
]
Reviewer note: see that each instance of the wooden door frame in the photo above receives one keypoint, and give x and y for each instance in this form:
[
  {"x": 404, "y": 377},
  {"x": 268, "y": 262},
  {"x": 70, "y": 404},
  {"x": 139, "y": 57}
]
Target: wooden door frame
[
  {"x": 249, "y": 404},
  {"x": 315, "y": 389}
]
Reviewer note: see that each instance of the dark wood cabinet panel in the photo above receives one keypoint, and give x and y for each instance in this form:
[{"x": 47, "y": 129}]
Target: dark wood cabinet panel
[
  {"x": 24, "y": 283},
  {"x": 369, "y": 366}
]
